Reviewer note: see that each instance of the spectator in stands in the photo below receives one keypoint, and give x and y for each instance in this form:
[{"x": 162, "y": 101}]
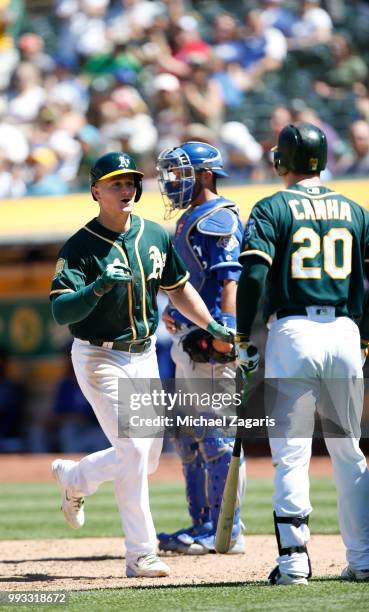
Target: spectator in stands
[
  {"x": 242, "y": 152},
  {"x": 92, "y": 146},
  {"x": 203, "y": 94},
  {"x": 226, "y": 40},
  {"x": 129, "y": 19},
  {"x": 169, "y": 109},
  {"x": 14, "y": 150},
  {"x": 12, "y": 184},
  {"x": 12, "y": 408},
  {"x": 45, "y": 180},
  {"x": 358, "y": 162},
  {"x": 73, "y": 424},
  {"x": 314, "y": 27},
  {"x": 264, "y": 49},
  {"x": 279, "y": 118},
  {"x": 83, "y": 30},
  {"x": 347, "y": 72},
  {"x": 27, "y": 95},
  {"x": 231, "y": 78},
  {"x": 9, "y": 55},
  {"x": 32, "y": 49},
  {"x": 198, "y": 132},
  {"x": 275, "y": 15},
  {"x": 186, "y": 44}
]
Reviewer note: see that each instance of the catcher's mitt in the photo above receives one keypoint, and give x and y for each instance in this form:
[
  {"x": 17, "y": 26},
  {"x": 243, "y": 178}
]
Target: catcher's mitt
[{"x": 198, "y": 343}]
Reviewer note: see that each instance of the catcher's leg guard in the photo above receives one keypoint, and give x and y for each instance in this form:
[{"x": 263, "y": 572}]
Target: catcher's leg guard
[
  {"x": 194, "y": 471},
  {"x": 218, "y": 454},
  {"x": 276, "y": 574}
]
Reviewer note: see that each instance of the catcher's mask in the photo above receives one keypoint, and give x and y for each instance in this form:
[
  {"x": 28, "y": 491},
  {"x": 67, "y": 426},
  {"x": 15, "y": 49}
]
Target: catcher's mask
[
  {"x": 114, "y": 164},
  {"x": 301, "y": 148},
  {"x": 177, "y": 169}
]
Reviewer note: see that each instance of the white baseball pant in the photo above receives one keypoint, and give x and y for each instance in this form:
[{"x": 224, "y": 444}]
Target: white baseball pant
[
  {"x": 129, "y": 460},
  {"x": 306, "y": 350}
]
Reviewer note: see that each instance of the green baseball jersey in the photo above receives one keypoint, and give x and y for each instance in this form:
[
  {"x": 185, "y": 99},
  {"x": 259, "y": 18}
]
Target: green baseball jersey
[
  {"x": 129, "y": 311},
  {"x": 314, "y": 240}
]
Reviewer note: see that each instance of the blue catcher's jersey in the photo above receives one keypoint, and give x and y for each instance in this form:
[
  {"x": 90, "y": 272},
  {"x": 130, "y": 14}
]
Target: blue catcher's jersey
[{"x": 208, "y": 238}]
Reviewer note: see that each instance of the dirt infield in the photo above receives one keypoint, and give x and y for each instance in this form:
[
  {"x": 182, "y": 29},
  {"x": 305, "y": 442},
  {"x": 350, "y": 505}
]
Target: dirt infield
[
  {"x": 92, "y": 563},
  {"x": 36, "y": 468},
  {"x": 96, "y": 563}
]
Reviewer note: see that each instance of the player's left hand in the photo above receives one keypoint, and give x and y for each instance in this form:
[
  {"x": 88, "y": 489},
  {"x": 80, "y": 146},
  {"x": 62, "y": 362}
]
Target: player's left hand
[
  {"x": 169, "y": 322},
  {"x": 220, "y": 332},
  {"x": 247, "y": 356}
]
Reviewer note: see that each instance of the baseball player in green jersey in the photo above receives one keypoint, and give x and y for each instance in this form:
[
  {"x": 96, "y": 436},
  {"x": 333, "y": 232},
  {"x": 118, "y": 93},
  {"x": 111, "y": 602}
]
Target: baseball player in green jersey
[
  {"x": 309, "y": 242},
  {"x": 105, "y": 285}
]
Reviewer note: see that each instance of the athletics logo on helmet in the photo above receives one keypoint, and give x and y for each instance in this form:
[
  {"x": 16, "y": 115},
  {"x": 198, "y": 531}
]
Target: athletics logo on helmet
[
  {"x": 301, "y": 148},
  {"x": 177, "y": 169},
  {"x": 113, "y": 164}
]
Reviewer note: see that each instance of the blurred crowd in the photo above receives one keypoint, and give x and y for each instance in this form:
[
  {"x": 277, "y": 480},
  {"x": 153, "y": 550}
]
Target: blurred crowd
[{"x": 89, "y": 76}]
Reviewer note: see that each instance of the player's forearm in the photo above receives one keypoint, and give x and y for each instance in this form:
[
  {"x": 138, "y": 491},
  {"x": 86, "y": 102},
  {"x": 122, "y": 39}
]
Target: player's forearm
[
  {"x": 191, "y": 305},
  {"x": 228, "y": 303},
  {"x": 249, "y": 291},
  {"x": 73, "y": 307}
]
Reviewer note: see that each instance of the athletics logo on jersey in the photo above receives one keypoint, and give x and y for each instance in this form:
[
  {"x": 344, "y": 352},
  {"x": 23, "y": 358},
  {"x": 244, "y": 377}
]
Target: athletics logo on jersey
[
  {"x": 123, "y": 162},
  {"x": 158, "y": 262},
  {"x": 59, "y": 267}
]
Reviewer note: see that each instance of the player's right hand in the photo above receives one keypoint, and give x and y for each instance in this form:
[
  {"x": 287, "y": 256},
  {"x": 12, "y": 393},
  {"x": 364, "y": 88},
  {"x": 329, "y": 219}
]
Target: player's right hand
[
  {"x": 116, "y": 272},
  {"x": 247, "y": 356}
]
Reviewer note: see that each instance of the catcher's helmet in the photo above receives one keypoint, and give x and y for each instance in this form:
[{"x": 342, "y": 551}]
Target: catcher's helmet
[
  {"x": 177, "y": 168},
  {"x": 301, "y": 148},
  {"x": 113, "y": 164}
]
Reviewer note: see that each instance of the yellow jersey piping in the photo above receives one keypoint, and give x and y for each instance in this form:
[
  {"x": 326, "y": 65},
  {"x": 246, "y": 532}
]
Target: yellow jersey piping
[
  {"x": 177, "y": 284},
  {"x": 61, "y": 291},
  {"x": 142, "y": 276},
  {"x": 260, "y": 253}
]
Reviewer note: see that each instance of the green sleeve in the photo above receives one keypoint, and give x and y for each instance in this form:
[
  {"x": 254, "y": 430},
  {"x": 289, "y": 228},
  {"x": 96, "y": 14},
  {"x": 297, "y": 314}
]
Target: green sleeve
[
  {"x": 75, "y": 306},
  {"x": 260, "y": 236},
  {"x": 249, "y": 291},
  {"x": 174, "y": 273}
]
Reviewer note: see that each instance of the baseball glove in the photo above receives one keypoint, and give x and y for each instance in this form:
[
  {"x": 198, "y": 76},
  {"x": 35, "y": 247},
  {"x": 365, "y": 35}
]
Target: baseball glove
[{"x": 198, "y": 344}]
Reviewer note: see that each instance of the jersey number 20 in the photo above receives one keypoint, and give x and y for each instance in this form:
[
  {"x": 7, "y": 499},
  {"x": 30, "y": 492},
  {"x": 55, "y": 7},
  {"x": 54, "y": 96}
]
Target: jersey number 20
[{"x": 328, "y": 244}]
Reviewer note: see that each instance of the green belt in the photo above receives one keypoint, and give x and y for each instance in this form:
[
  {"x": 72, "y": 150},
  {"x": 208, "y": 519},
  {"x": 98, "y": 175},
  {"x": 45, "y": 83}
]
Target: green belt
[{"x": 137, "y": 346}]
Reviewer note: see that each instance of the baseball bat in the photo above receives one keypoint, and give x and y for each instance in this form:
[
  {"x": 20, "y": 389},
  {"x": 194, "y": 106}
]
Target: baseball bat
[
  {"x": 229, "y": 501},
  {"x": 223, "y": 534}
]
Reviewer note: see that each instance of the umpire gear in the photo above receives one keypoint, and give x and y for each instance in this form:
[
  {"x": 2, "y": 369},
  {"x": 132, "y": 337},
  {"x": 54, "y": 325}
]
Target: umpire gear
[
  {"x": 113, "y": 164},
  {"x": 302, "y": 148}
]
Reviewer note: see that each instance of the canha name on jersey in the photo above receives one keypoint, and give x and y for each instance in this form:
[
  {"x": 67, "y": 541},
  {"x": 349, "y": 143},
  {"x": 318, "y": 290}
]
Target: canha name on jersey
[{"x": 315, "y": 210}]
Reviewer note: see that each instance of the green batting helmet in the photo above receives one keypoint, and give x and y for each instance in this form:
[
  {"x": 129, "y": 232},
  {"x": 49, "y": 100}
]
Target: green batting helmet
[
  {"x": 113, "y": 164},
  {"x": 302, "y": 148}
]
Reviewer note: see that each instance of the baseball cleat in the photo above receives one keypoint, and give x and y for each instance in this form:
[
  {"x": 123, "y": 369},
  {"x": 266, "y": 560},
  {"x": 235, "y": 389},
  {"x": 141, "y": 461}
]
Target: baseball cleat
[
  {"x": 147, "y": 566},
  {"x": 360, "y": 575},
  {"x": 72, "y": 506},
  {"x": 198, "y": 540},
  {"x": 276, "y": 577},
  {"x": 184, "y": 541}
]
